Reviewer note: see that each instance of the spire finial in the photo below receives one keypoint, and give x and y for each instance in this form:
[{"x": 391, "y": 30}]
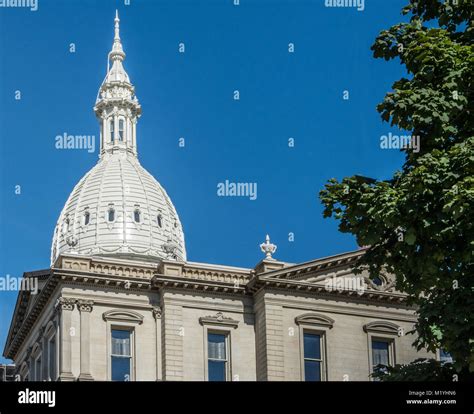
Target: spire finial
[
  {"x": 117, "y": 52},
  {"x": 268, "y": 248},
  {"x": 117, "y": 26}
]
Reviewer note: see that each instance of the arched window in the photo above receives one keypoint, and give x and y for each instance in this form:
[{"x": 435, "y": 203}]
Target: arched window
[
  {"x": 87, "y": 218},
  {"x": 112, "y": 130},
  {"x": 136, "y": 216},
  {"x": 120, "y": 130},
  {"x": 159, "y": 219},
  {"x": 111, "y": 215}
]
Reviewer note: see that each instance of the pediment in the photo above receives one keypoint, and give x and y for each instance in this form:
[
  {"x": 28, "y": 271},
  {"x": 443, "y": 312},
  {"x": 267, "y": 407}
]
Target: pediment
[
  {"x": 384, "y": 327},
  {"x": 218, "y": 319},
  {"x": 314, "y": 319},
  {"x": 123, "y": 316},
  {"x": 333, "y": 281}
]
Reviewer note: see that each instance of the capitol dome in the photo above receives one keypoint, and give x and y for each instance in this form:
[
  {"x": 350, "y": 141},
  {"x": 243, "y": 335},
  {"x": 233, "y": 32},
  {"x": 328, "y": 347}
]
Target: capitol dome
[{"x": 118, "y": 208}]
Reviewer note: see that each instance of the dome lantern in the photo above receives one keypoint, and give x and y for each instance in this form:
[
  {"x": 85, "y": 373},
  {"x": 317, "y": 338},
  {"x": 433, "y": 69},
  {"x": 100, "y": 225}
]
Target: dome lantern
[{"x": 117, "y": 107}]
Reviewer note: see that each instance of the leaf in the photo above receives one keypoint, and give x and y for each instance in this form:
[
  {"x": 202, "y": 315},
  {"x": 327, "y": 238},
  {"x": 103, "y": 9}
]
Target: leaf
[{"x": 410, "y": 239}]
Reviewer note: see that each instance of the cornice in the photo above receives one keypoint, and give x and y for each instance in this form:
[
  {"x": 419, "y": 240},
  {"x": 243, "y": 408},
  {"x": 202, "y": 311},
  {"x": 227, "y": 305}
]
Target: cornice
[
  {"x": 316, "y": 266},
  {"x": 21, "y": 304},
  {"x": 206, "y": 285},
  {"x": 259, "y": 283},
  {"x": 112, "y": 282},
  {"x": 27, "y": 322},
  {"x": 218, "y": 267}
]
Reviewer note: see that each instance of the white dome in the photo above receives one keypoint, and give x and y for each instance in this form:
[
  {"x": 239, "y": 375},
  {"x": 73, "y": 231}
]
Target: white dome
[
  {"x": 118, "y": 208},
  {"x": 144, "y": 222}
]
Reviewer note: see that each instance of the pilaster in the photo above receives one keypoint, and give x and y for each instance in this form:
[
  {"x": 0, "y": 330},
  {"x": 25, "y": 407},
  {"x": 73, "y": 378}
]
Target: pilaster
[
  {"x": 64, "y": 307},
  {"x": 85, "y": 309}
]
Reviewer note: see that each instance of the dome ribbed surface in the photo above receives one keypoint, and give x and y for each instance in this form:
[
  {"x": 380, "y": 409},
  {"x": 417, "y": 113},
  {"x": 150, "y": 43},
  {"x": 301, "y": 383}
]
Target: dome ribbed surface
[{"x": 143, "y": 223}]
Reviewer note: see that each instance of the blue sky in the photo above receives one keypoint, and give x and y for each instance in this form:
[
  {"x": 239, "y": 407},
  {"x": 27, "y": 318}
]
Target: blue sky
[{"x": 190, "y": 95}]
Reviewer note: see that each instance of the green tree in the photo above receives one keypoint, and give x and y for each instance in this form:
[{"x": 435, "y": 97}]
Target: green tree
[
  {"x": 419, "y": 224},
  {"x": 421, "y": 369}
]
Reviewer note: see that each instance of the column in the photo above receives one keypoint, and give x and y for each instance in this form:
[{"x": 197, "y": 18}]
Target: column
[
  {"x": 64, "y": 307},
  {"x": 115, "y": 128},
  {"x": 103, "y": 133},
  {"x": 134, "y": 135},
  {"x": 129, "y": 133},
  {"x": 157, "y": 315},
  {"x": 44, "y": 354},
  {"x": 85, "y": 309},
  {"x": 28, "y": 364}
]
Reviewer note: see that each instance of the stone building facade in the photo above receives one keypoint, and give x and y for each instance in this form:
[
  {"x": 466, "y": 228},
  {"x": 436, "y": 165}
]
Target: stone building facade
[
  {"x": 170, "y": 309},
  {"x": 121, "y": 302}
]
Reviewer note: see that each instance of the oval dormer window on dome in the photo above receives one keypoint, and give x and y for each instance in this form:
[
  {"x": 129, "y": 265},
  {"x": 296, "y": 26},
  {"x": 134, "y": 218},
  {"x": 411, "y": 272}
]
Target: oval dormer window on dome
[
  {"x": 111, "y": 215},
  {"x": 137, "y": 216},
  {"x": 112, "y": 130},
  {"x": 377, "y": 281},
  {"x": 120, "y": 130},
  {"x": 159, "y": 220},
  {"x": 87, "y": 218}
]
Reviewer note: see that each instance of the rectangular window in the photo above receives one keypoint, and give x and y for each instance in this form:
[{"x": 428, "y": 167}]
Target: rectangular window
[
  {"x": 445, "y": 357},
  {"x": 120, "y": 131},
  {"x": 217, "y": 356},
  {"x": 112, "y": 127},
  {"x": 52, "y": 359},
  {"x": 313, "y": 360},
  {"x": 380, "y": 353},
  {"x": 121, "y": 355}
]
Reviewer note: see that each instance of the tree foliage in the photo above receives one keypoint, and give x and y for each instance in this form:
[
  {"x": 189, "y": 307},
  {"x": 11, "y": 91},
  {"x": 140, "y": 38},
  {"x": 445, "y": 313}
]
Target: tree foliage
[
  {"x": 419, "y": 224},
  {"x": 421, "y": 369}
]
